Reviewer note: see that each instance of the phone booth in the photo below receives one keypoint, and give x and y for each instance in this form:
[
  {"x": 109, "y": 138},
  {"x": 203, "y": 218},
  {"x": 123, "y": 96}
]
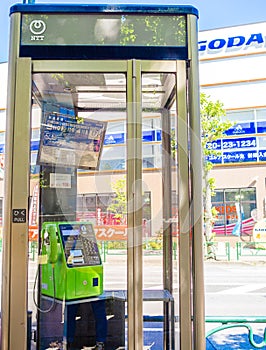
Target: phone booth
[{"x": 103, "y": 179}]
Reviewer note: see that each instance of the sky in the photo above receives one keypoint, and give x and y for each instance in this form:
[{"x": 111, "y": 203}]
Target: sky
[{"x": 212, "y": 13}]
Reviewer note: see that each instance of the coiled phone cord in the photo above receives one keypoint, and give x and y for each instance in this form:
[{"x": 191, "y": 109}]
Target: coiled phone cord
[{"x": 34, "y": 291}]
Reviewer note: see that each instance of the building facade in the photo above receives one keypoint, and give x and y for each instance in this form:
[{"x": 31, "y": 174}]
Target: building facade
[{"x": 232, "y": 70}]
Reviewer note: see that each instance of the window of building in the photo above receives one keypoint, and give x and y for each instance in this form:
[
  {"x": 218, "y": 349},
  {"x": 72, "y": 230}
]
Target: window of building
[
  {"x": 113, "y": 158},
  {"x": 35, "y": 134},
  {"x": 261, "y": 114},
  {"x": 116, "y": 126},
  {"x": 234, "y": 211},
  {"x": 240, "y": 116},
  {"x": 94, "y": 207},
  {"x": 2, "y": 137}
]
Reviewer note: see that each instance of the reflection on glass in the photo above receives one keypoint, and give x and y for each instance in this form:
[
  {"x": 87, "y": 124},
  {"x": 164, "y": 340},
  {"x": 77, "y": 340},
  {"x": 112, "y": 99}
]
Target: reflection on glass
[{"x": 107, "y": 29}]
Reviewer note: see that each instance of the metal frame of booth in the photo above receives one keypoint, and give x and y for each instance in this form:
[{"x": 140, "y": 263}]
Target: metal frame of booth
[{"x": 24, "y": 60}]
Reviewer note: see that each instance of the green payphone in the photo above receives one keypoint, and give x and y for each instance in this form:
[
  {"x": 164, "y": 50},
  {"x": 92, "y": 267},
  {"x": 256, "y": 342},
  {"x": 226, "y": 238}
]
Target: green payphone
[{"x": 71, "y": 263}]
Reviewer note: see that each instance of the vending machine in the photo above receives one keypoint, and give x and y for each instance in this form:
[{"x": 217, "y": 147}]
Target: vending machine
[{"x": 71, "y": 266}]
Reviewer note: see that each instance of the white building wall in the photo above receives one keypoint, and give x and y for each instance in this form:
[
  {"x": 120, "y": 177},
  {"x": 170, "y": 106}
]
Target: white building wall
[
  {"x": 231, "y": 70},
  {"x": 239, "y": 95},
  {"x": 234, "y": 75},
  {"x": 3, "y": 85}
]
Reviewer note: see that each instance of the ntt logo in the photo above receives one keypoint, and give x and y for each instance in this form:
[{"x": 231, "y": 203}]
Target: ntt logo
[
  {"x": 37, "y": 28},
  {"x": 232, "y": 42}
]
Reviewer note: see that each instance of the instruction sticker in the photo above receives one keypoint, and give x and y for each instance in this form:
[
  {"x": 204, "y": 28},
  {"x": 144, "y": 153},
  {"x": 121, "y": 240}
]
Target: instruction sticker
[{"x": 19, "y": 216}]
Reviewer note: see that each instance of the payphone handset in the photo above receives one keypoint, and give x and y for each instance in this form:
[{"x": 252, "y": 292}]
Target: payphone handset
[
  {"x": 49, "y": 244},
  {"x": 72, "y": 266}
]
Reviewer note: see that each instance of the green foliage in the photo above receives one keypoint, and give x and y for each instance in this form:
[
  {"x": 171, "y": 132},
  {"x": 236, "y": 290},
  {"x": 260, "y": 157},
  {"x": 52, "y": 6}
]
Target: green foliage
[
  {"x": 212, "y": 124},
  {"x": 116, "y": 244},
  {"x": 153, "y": 30},
  {"x": 43, "y": 182},
  {"x": 173, "y": 143},
  {"x": 155, "y": 243},
  {"x": 118, "y": 205},
  {"x": 213, "y": 127},
  {"x": 127, "y": 33}
]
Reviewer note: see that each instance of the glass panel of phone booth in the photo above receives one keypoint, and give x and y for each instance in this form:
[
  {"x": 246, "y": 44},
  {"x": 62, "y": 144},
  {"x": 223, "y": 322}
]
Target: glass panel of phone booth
[
  {"x": 160, "y": 229},
  {"x": 79, "y": 153}
]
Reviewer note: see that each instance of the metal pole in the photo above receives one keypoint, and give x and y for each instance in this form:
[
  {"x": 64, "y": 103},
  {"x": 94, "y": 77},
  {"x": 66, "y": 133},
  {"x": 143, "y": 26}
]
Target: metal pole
[
  {"x": 167, "y": 226},
  {"x": 196, "y": 186},
  {"x": 183, "y": 210},
  {"x": 134, "y": 197}
]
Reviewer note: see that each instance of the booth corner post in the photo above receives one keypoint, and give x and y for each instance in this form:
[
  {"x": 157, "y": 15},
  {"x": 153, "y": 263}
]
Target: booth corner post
[{"x": 196, "y": 188}]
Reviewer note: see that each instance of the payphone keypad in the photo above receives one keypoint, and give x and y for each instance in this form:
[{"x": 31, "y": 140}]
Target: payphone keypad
[{"x": 80, "y": 244}]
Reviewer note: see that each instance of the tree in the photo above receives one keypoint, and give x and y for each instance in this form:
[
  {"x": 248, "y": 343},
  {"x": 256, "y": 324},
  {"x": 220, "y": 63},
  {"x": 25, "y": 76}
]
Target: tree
[
  {"x": 118, "y": 206},
  {"x": 213, "y": 127}
]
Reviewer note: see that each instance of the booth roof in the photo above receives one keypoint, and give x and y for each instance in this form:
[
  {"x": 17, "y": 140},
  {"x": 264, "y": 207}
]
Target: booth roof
[{"x": 107, "y": 8}]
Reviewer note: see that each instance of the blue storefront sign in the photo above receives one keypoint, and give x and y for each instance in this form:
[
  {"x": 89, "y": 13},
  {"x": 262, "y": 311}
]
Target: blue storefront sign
[
  {"x": 241, "y": 129},
  {"x": 159, "y": 135},
  {"x": 148, "y": 136},
  {"x": 35, "y": 145},
  {"x": 262, "y": 155},
  {"x": 238, "y": 41},
  {"x": 120, "y": 138},
  {"x": 239, "y": 157},
  {"x": 114, "y": 139},
  {"x": 214, "y": 145},
  {"x": 261, "y": 127},
  {"x": 214, "y": 158},
  {"x": 238, "y": 143}
]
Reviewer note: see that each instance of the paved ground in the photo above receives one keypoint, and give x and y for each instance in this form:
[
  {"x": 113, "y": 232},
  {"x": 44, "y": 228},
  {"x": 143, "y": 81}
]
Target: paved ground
[{"x": 228, "y": 339}]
